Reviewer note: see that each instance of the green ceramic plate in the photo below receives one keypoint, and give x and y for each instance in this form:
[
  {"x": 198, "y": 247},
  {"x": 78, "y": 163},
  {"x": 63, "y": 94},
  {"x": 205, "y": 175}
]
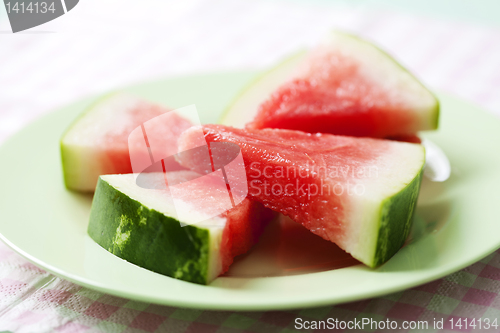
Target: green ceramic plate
[{"x": 457, "y": 221}]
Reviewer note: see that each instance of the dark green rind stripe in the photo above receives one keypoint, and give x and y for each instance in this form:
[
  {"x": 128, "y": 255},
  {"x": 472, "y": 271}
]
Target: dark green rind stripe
[
  {"x": 148, "y": 238},
  {"x": 396, "y": 218},
  {"x": 437, "y": 111}
]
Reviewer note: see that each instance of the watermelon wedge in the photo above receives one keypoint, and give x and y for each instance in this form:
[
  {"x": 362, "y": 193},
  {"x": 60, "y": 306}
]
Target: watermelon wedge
[
  {"x": 140, "y": 224},
  {"x": 359, "y": 193},
  {"x": 97, "y": 142},
  {"x": 346, "y": 86}
]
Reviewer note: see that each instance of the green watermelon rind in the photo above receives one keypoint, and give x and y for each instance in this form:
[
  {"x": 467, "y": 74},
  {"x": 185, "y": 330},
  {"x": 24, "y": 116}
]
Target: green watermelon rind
[
  {"x": 295, "y": 59},
  {"x": 71, "y": 157},
  {"x": 148, "y": 238},
  {"x": 395, "y": 221}
]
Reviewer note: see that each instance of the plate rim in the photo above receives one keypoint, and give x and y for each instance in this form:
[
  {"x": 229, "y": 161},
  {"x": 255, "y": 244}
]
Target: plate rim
[{"x": 222, "y": 306}]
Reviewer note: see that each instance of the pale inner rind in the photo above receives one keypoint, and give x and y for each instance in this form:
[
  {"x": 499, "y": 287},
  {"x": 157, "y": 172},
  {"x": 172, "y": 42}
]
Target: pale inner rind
[{"x": 363, "y": 211}]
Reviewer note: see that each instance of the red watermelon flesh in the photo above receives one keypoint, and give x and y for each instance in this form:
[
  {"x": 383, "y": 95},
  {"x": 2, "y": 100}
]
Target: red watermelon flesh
[
  {"x": 349, "y": 87},
  {"x": 119, "y": 148},
  {"x": 245, "y": 223},
  {"x": 314, "y": 106},
  {"x": 97, "y": 143},
  {"x": 343, "y": 189}
]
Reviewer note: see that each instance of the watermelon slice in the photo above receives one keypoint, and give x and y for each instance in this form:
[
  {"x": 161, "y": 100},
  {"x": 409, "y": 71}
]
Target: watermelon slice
[
  {"x": 140, "y": 224},
  {"x": 346, "y": 86},
  {"x": 97, "y": 142},
  {"x": 359, "y": 193}
]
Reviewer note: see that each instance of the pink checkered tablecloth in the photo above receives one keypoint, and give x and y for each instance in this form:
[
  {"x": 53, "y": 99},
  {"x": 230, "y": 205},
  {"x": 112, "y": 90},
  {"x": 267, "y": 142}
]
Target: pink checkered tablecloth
[{"x": 85, "y": 52}]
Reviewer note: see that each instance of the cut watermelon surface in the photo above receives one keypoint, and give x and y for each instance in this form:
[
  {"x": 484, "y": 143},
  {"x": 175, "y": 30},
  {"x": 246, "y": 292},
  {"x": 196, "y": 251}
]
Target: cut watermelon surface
[
  {"x": 346, "y": 86},
  {"x": 141, "y": 226},
  {"x": 359, "y": 193},
  {"x": 97, "y": 143}
]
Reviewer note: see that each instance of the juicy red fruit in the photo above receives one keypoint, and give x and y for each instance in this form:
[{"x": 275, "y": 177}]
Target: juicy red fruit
[
  {"x": 287, "y": 169},
  {"x": 118, "y": 148},
  {"x": 245, "y": 223},
  {"x": 300, "y": 105}
]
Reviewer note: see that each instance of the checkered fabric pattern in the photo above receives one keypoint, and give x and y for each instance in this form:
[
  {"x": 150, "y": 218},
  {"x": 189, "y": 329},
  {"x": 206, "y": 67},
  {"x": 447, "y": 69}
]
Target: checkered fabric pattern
[
  {"x": 32, "y": 300},
  {"x": 89, "y": 53}
]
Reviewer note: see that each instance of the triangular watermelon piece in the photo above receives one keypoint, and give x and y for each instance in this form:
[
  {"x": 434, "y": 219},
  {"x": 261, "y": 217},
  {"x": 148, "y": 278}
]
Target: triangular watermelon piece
[
  {"x": 346, "y": 86},
  {"x": 359, "y": 193},
  {"x": 141, "y": 225},
  {"x": 97, "y": 143}
]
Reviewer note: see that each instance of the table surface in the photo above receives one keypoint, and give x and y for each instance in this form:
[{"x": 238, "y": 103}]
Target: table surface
[{"x": 85, "y": 52}]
